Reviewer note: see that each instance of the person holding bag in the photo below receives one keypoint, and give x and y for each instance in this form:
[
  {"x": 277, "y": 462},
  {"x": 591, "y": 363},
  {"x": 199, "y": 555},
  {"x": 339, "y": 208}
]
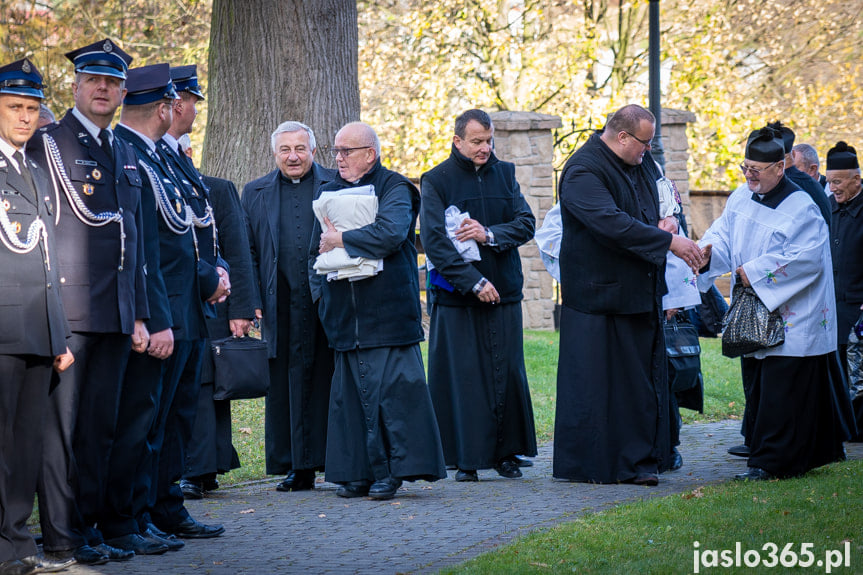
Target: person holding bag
[{"x": 772, "y": 235}]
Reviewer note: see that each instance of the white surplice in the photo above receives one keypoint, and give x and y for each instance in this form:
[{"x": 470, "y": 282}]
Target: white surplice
[{"x": 785, "y": 253}]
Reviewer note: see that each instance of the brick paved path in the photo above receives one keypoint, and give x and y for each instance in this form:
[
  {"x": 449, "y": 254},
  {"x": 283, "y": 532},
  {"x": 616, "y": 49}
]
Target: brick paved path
[{"x": 427, "y": 527}]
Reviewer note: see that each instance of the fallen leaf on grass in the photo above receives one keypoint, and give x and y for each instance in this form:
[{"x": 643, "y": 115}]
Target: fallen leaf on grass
[
  {"x": 246, "y": 430},
  {"x": 694, "y": 494},
  {"x": 246, "y": 511},
  {"x": 539, "y": 564}
]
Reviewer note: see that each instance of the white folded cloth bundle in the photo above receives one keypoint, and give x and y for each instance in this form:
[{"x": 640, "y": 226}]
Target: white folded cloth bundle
[{"x": 347, "y": 209}]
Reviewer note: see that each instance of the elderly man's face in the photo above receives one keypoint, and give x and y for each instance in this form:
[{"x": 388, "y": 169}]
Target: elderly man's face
[
  {"x": 761, "y": 177},
  {"x": 19, "y": 116},
  {"x": 355, "y": 154},
  {"x": 801, "y": 164},
  {"x": 294, "y": 154},
  {"x": 845, "y": 184}
]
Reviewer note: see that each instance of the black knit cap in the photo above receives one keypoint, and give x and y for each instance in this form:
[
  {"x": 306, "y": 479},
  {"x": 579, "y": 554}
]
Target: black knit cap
[
  {"x": 787, "y": 135},
  {"x": 765, "y": 145},
  {"x": 842, "y": 157}
]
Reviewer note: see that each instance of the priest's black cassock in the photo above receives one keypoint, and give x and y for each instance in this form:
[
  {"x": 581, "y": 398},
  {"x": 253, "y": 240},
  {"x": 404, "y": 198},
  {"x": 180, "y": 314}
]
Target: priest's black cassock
[{"x": 611, "y": 421}]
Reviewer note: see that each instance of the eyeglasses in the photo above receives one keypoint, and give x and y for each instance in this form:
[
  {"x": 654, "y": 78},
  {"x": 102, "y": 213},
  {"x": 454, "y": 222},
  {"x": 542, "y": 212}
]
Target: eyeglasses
[
  {"x": 640, "y": 141},
  {"x": 345, "y": 152},
  {"x": 756, "y": 171}
]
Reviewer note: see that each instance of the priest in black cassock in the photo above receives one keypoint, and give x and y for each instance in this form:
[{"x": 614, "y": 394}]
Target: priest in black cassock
[
  {"x": 279, "y": 211},
  {"x": 477, "y": 378},
  {"x": 611, "y": 422}
]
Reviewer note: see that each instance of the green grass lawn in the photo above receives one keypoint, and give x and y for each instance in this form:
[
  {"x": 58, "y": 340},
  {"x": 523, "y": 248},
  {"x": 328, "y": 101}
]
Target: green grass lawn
[
  {"x": 658, "y": 535},
  {"x": 723, "y": 399}
]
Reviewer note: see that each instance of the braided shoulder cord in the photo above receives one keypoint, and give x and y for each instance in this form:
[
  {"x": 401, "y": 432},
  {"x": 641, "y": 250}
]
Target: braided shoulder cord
[
  {"x": 178, "y": 225},
  {"x": 35, "y": 231},
  {"x": 80, "y": 209}
]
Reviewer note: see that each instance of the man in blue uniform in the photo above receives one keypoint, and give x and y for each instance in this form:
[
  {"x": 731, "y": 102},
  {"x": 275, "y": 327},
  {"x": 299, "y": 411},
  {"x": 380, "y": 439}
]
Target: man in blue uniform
[
  {"x": 32, "y": 321},
  {"x": 184, "y": 113},
  {"x": 150, "y": 462},
  {"x": 101, "y": 266}
]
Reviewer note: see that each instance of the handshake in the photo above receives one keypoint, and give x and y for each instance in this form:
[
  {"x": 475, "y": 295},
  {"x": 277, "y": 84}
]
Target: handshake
[{"x": 684, "y": 248}]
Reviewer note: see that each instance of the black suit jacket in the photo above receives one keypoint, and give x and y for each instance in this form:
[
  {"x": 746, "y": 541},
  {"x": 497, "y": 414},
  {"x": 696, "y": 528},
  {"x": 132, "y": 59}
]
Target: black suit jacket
[
  {"x": 170, "y": 256},
  {"x": 32, "y": 319},
  {"x": 234, "y": 247},
  {"x": 261, "y": 202},
  {"x": 98, "y": 295}
]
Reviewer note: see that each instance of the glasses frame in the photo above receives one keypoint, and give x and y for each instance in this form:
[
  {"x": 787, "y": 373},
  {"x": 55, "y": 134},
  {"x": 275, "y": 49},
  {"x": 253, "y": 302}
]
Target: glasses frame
[
  {"x": 756, "y": 171},
  {"x": 648, "y": 143},
  {"x": 345, "y": 152}
]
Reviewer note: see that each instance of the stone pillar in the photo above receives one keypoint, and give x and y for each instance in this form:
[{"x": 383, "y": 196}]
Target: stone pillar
[
  {"x": 525, "y": 139},
  {"x": 676, "y": 147}
]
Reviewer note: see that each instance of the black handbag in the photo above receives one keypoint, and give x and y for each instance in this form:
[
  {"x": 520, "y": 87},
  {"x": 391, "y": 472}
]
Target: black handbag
[
  {"x": 684, "y": 354},
  {"x": 749, "y": 325},
  {"x": 241, "y": 367}
]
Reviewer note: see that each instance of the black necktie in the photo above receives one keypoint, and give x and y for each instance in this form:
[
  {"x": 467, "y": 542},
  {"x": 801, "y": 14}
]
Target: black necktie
[
  {"x": 24, "y": 169},
  {"x": 106, "y": 144}
]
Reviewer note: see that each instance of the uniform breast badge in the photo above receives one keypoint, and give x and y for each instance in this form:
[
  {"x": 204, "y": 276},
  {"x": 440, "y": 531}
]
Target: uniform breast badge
[{"x": 88, "y": 189}]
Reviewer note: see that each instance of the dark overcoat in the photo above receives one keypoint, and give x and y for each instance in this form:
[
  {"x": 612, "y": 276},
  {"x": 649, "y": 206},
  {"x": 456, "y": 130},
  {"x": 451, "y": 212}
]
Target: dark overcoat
[{"x": 301, "y": 364}]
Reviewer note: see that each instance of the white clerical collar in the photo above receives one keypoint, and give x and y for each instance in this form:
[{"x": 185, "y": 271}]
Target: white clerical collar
[
  {"x": 91, "y": 127},
  {"x": 9, "y": 150},
  {"x": 147, "y": 140},
  {"x": 172, "y": 142}
]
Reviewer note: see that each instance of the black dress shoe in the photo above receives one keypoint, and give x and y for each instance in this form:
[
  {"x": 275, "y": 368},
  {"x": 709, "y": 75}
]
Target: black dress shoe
[
  {"x": 466, "y": 475},
  {"x": 191, "y": 489},
  {"x": 354, "y": 489},
  {"x": 523, "y": 461},
  {"x": 86, "y": 555},
  {"x": 739, "y": 450},
  {"x": 646, "y": 478},
  {"x": 114, "y": 553},
  {"x": 676, "y": 460},
  {"x": 171, "y": 541},
  {"x": 754, "y": 474},
  {"x": 45, "y": 565},
  {"x": 385, "y": 488},
  {"x": 135, "y": 542},
  {"x": 508, "y": 467},
  {"x": 15, "y": 567},
  {"x": 297, "y": 480},
  {"x": 191, "y": 529}
]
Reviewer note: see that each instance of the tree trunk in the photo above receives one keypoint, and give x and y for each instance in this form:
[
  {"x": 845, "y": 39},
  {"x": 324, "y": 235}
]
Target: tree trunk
[{"x": 273, "y": 61}]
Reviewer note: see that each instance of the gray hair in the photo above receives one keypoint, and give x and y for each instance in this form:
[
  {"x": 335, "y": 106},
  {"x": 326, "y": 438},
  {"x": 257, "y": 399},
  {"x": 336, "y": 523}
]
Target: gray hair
[
  {"x": 291, "y": 126},
  {"x": 45, "y": 113},
  {"x": 808, "y": 153}
]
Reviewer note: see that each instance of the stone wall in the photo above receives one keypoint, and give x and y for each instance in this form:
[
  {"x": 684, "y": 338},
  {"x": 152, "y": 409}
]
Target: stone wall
[
  {"x": 525, "y": 138},
  {"x": 676, "y": 149}
]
